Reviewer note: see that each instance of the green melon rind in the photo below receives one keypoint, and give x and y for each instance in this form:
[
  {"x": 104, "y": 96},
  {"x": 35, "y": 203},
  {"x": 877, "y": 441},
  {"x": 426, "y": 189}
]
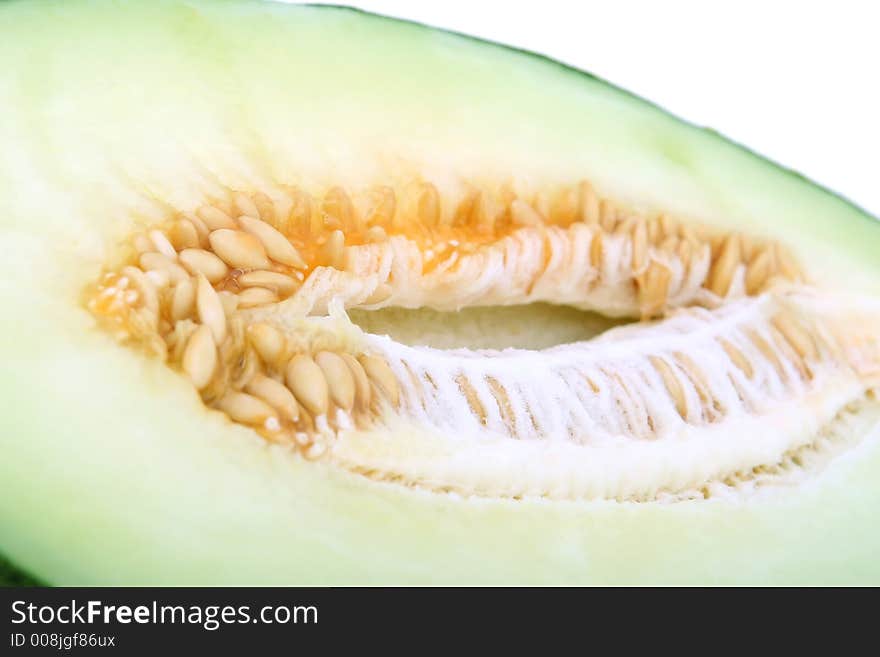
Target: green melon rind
[
  {"x": 112, "y": 470},
  {"x": 11, "y": 575}
]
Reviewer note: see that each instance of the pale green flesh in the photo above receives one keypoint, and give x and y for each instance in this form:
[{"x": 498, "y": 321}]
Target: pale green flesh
[
  {"x": 113, "y": 472},
  {"x": 530, "y": 326}
]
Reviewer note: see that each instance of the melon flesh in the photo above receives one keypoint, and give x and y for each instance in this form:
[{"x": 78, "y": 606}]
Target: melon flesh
[{"x": 114, "y": 471}]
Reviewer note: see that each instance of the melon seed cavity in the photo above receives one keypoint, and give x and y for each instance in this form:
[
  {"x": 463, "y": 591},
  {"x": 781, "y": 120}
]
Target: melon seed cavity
[{"x": 726, "y": 336}]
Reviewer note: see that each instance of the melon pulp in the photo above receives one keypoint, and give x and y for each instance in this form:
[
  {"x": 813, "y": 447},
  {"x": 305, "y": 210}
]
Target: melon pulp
[{"x": 123, "y": 117}]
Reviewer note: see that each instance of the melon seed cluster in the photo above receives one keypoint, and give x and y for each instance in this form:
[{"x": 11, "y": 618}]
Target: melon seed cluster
[
  {"x": 671, "y": 410},
  {"x": 254, "y": 373},
  {"x": 696, "y": 368},
  {"x": 189, "y": 284}
]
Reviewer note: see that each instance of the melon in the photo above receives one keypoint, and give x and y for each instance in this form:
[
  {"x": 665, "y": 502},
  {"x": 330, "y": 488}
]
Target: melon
[{"x": 303, "y": 295}]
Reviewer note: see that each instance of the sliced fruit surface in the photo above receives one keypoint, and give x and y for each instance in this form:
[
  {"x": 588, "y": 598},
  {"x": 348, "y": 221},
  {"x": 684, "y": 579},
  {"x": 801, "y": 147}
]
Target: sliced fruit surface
[{"x": 305, "y": 295}]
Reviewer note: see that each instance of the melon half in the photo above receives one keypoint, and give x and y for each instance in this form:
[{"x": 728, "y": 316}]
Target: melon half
[{"x": 301, "y": 295}]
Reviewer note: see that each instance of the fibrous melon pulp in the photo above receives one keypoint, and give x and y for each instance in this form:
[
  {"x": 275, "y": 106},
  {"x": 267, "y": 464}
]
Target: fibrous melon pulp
[{"x": 303, "y": 295}]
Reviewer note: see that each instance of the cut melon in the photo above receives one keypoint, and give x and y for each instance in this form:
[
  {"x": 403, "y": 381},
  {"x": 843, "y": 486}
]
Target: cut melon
[{"x": 302, "y": 295}]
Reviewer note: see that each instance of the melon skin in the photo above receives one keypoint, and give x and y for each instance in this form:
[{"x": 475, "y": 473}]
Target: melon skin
[{"x": 114, "y": 473}]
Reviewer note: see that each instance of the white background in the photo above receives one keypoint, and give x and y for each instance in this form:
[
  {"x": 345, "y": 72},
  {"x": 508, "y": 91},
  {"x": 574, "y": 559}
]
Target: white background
[{"x": 795, "y": 81}]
